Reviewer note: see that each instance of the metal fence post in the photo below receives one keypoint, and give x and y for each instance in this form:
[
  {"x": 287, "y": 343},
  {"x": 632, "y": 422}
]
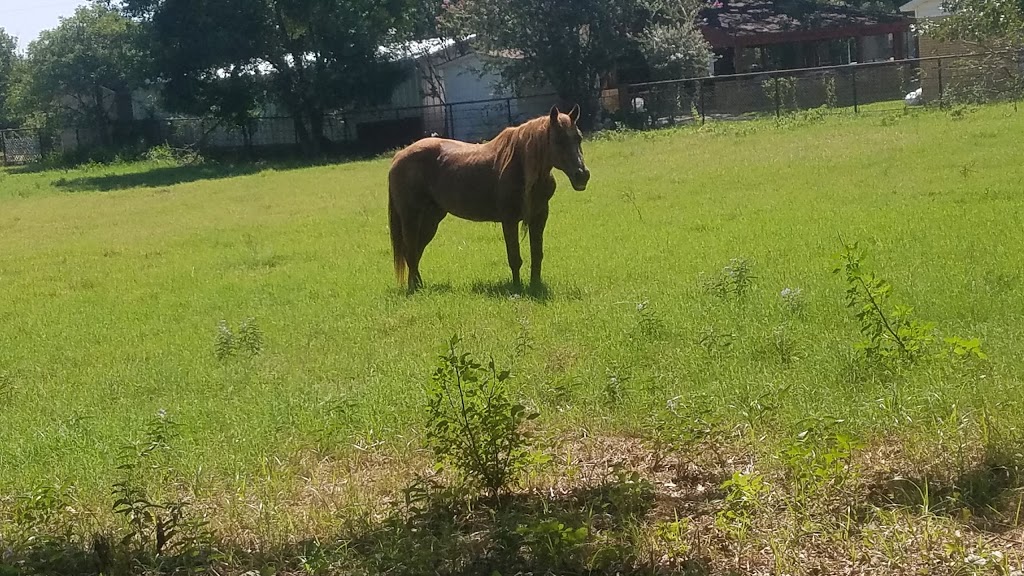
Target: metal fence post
[
  {"x": 778, "y": 101},
  {"x": 508, "y": 108},
  {"x": 703, "y": 116},
  {"x": 3, "y": 145},
  {"x": 451, "y": 121},
  {"x": 941, "y": 91},
  {"x": 853, "y": 77}
]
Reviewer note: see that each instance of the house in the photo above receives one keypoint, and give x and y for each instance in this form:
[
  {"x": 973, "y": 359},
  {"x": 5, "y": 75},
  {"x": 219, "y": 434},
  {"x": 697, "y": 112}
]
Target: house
[
  {"x": 755, "y": 35},
  {"x": 451, "y": 88}
]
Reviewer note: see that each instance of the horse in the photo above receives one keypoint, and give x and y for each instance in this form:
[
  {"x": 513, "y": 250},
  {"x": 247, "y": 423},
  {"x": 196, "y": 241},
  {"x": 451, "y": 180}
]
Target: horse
[{"x": 507, "y": 179}]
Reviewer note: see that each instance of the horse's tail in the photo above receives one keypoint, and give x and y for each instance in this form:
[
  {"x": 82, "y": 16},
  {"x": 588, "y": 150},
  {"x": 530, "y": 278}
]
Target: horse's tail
[{"x": 397, "y": 242}]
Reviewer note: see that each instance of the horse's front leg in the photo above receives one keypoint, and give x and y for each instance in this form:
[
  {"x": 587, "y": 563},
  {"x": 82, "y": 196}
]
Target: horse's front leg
[
  {"x": 515, "y": 260},
  {"x": 536, "y": 226}
]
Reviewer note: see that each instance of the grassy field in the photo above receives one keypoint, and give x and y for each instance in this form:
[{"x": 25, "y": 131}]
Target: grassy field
[{"x": 114, "y": 281}]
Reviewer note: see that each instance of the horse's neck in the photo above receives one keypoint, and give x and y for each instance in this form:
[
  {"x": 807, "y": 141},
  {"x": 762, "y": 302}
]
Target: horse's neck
[{"x": 531, "y": 148}]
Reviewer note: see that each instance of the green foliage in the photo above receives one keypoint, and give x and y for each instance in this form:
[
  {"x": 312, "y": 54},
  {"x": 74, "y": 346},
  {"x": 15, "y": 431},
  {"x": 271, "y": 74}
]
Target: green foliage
[
  {"x": 998, "y": 23},
  {"x": 166, "y": 155},
  {"x": 552, "y": 543},
  {"x": 893, "y": 336},
  {"x": 249, "y": 339},
  {"x": 683, "y": 428},
  {"x": 163, "y": 530},
  {"x": 735, "y": 279},
  {"x": 793, "y": 300},
  {"x": 9, "y": 63},
  {"x": 570, "y": 45},
  {"x": 671, "y": 45},
  {"x": 831, "y": 97},
  {"x": 473, "y": 425},
  {"x": 648, "y": 322},
  {"x": 317, "y": 56},
  {"x": 782, "y": 92},
  {"x": 745, "y": 495},
  {"x": 819, "y": 458},
  {"x": 79, "y": 71}
]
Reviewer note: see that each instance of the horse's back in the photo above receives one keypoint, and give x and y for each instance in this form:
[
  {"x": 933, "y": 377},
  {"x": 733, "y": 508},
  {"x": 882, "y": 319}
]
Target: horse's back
[{"x": 460, "y": 177}]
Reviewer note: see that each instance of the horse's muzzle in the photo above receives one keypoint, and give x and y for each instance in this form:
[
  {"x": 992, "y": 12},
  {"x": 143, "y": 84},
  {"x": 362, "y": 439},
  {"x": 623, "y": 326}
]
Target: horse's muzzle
[{"x": 580, "y": 179}]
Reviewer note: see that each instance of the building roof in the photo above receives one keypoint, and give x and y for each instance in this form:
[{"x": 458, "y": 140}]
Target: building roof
[
  {"x": 752, "y": 22},
  {"x": 925, "y": 8},
  {"x": 417, "y": 49}
]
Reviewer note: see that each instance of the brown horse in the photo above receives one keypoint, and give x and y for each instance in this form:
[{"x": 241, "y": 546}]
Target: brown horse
[{"x": 507, "y": 180}]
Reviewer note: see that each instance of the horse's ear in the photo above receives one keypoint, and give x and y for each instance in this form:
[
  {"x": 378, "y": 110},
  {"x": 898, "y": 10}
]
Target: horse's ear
[
  {"x": 574, "y": 115},
  {"x": 554, "y": 114}
]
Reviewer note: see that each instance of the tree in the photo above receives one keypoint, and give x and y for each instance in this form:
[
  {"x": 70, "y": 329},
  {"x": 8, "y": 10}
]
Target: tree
[
  {"x": 9, "y": 61},
  {"x": 85, "y": 69},
  {"x": 310, "y": 56},
  {"x": 671, "y": 45},
  {"x": 994, "y": 24},
  {"x": 996, "y": 27},
  {"x": 572, "y": 44}
]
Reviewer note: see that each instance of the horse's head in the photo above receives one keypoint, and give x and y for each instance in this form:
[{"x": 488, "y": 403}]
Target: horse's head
[{"x": 566, "y": 145}]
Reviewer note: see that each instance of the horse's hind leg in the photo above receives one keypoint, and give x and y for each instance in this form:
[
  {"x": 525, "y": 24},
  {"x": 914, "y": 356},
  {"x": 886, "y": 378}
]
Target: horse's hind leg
[
  {"x": 424, "y": 230},
  {"x": 537, "y": 223},
  {"x": 515, "y": 260}
]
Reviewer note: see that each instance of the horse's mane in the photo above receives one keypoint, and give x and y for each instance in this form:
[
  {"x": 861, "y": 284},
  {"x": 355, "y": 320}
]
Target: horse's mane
[{"x": 524, "y": 147}]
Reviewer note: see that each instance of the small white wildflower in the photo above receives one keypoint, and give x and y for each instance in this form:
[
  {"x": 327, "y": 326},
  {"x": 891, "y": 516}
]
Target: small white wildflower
[
  {"x": 641, "y": 306},
  {"x": 161, "y": 413},
  {"x": 785, "y": 292}
]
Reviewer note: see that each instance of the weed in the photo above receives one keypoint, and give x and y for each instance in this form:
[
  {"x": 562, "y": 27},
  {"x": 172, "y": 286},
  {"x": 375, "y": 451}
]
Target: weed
[
  {"x": 473, "y": 425},
  {"x": 552, "y": 543},
  {"x": 783, "y": 345},
  {"x": 224, "y": 344},
  {"x": 648, "y": 322},
  {"x": 682, "y": 427},
  {"x": 744, "y": 497},
  {"x": 735, "y": 279},
  {"x": 6, "y": 390},
  {"x": 713, "y": 341},
  {"x": 161, "y": 529},
  {"x": 819, "y": 459},
  {"x": 524, "y": 342},
  {"x": 793, "y": 300},
  {"x": 892, "y": 337},
  {"x": 614, "y": 385},
  {"x": 248, "y": 340},
  {"x": 250, "y": 337},
  {"x": 630, "y": 196},
  {"x": 831, "y": 99}
]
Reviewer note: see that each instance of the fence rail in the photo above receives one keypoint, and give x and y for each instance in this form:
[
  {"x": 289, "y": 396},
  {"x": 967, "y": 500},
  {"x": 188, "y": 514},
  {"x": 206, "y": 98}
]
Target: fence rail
[{"x": 854, "y": 88}]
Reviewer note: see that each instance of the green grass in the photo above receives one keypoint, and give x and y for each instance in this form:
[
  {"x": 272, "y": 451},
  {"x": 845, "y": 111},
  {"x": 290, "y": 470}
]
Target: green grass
[{"x": 113, "y": 280}]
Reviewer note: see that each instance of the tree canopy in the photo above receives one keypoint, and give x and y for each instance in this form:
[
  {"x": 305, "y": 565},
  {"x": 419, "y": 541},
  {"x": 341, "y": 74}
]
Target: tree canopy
[
  {"x": 309, "y": 56},
  {"x": 8, "y": 64},
  {"x": 996, "y": 23},
  {"x": 569, "y": 45},
  {"x": 85, "y": 68}
]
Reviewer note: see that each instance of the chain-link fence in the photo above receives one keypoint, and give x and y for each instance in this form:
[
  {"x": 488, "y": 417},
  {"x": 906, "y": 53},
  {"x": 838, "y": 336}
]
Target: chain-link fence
[
  {"x": 854, "y": 88},
  {"x": 20, "y": 146}
]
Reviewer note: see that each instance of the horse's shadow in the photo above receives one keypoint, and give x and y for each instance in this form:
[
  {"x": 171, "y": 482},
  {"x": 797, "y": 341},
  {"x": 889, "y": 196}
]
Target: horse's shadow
[{"x": 506, "y": 290}]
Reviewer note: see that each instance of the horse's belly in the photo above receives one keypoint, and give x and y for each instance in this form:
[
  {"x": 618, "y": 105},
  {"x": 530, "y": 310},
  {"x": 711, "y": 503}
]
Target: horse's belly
[{"x": 477, "y": 203}]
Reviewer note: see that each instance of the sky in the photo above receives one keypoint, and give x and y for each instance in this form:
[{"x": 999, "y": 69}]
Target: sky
[{"x": 25, "y": 19}]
